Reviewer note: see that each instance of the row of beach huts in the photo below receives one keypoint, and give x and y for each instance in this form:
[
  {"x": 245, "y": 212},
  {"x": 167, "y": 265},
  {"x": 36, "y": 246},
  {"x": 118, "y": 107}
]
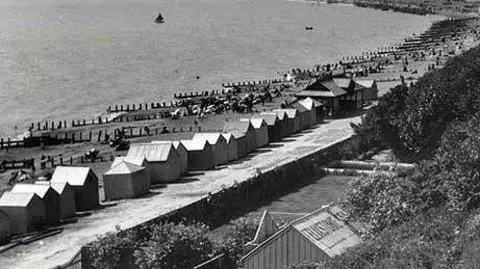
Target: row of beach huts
[{"x": 29, "y": 207}]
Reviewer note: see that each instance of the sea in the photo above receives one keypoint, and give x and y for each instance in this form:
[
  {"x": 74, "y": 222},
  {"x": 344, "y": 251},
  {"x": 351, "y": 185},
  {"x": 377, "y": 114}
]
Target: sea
[{"x": 71, "y": 59}]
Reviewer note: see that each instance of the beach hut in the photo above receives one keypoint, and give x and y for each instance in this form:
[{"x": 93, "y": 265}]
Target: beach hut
[
  {"x": 316, "y": 237},
  {"x": 303, "y": 115},
  {"x": 246, "y": 128},
  {"x": 67, "y": 197},
  {"x": 200, "y": 154},
  {"x": 26, "y": 211},
  {"x": 83, "y": 181},
  {"x": 139, "y": 161},
  {"x": 261, "y": 131},
  {"x": 218, "y": 143},
  {"x": 50, "y": 199},
  {"x": 182, "y": 153},
  {"x": 292, "y": 118},
  {"x": 232, "y": 146},
  {"x": 126, "y": 180},
  {"x": 163, "y": 161},
  {"x": 241, "y": 143},
  {"x": 310, "y": 105},
  {"x": 287, "y": 128},
  {"x": 274, "y": 125},
  {"x": 5, "y": 228}
]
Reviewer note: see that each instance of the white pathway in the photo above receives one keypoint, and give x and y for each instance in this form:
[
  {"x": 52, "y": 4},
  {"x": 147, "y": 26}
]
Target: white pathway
[{"x": 56, "y": 250}]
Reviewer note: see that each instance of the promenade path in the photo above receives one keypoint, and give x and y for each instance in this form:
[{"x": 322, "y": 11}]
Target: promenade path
[{"x": 59, "y": 249}]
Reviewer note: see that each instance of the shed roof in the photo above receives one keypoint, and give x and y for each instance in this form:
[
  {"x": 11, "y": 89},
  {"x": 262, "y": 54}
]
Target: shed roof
[
  {"x": 366, "y": 83},
  {"x": 40, "y": 190},
  {"x": 308, "y": 103},
  {"x": 325, "y": 228},
  {"x": 242, "y": 126},
  {"x": 270, "y": 118},
  {"x": 343, "y": 82},
  {"x": 75, "y": 176},
  {"x": 11, "y": 199},
  {"x": 212, "y": 138},
  {"x": 291, "y": 112},
  {"x": 123, "y": 168},
  {"x": 59, "y": 187},
  {"x": 175, "y": 143},
  {"x": 331, "y": 86},
  {"x": 195, "y": 145},
  {"x": 157, "y": 152},
  {"x": 237, "y": 134},
  {"x": 133, "y": 160},
  {"x": 282, "y": 115},
  {"x": 228, "y": 137},
  {"x": 256, "y": 122}
]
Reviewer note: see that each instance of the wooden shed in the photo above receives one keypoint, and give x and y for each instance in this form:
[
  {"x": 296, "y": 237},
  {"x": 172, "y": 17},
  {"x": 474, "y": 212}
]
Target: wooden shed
[
  {"x": 200, "y": 154},
  {"x": 292, "y": 117},
  {"x": 25, "y": 210},
  {"x": 261, "y": 131},
  {"x": 218, "y": 143},
  {"x": 232, "y": 146},
  {"x": 241, "y": 143},
  {"x": 126, "y": 180},
  {"x": 5, "y": 228},
  {"x": 243, "y": 127},
  {"x": 163, "y": 161},
  {"x": 303, "y": 114},
  {"x": 287, "y": 127},
  {"x": 274, "y": 125},
  {"x": 182, "y": 153},
  {"x": 67, "y": 197},
  {"x": 311, "y": 106},
  {"x": 83, "y": 181},
  {"x": 316, "y": 237},
  {"x": 49, "y": 197}
]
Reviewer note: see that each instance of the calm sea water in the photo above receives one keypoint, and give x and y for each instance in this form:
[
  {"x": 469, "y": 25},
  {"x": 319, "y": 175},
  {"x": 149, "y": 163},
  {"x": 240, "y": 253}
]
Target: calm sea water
[{"x": 70, "y": 59}]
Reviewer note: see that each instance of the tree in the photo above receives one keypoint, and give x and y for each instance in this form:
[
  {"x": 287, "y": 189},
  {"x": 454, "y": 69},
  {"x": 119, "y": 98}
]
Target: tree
[{"x": 175, "y": 246}]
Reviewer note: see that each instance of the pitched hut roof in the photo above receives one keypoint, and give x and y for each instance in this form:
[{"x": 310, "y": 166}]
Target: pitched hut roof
[
  {"x": 256, "y": 122},
  {"x": 212, "y": 138},
  {"x": 324, "y": 228},
  {"x": 242, "y": 126},
  {"x": 308, "y": 103},
  {"x": 228, "y": 136},
  {"x": 157, "y": 152},
  {"x": 39, "y": 190},
  {"x": 281, "y": 114},
  {"x": 270, "y": 117},
  {"x": 75, "y": 176},
  {"x": 366, "y": 83},
  {"x": 59, "y": 187},
  {"x": 291, "y": 112},
  {"x": 133, "y": 160},
  {"x": 194, "y": 145},
  {"x": 16, "y": 199},
  {"x": 124, "y": 168}
]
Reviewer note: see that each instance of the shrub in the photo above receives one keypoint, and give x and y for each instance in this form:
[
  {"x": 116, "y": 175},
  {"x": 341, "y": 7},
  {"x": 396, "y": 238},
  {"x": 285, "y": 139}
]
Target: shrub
[
  {"x": 175, "y": 246},
  {"x": 382, "y": 200},
  {"x": 108, "y": 252},
  {"x": 233, "y": 242}
]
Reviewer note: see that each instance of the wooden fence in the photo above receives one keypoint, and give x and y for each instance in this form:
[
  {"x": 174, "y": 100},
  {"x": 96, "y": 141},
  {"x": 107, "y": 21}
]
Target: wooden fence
[
  {"x": 36, "y": 141},
  {"x": 14, "y": 164}
]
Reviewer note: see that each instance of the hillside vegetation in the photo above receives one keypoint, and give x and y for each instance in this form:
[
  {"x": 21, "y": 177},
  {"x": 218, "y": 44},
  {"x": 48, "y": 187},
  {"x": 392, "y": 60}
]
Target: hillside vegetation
[{"x": 429, "y": 217}]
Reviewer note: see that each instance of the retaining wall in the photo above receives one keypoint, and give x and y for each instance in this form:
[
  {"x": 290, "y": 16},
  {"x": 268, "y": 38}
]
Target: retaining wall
[{"x": 218, "y": 208}]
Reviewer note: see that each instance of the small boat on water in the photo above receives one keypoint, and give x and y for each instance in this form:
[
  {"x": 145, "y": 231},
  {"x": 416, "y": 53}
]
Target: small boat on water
[
  {"x": 159, "y": 19},
  {"x": 308, "y": 28}
]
